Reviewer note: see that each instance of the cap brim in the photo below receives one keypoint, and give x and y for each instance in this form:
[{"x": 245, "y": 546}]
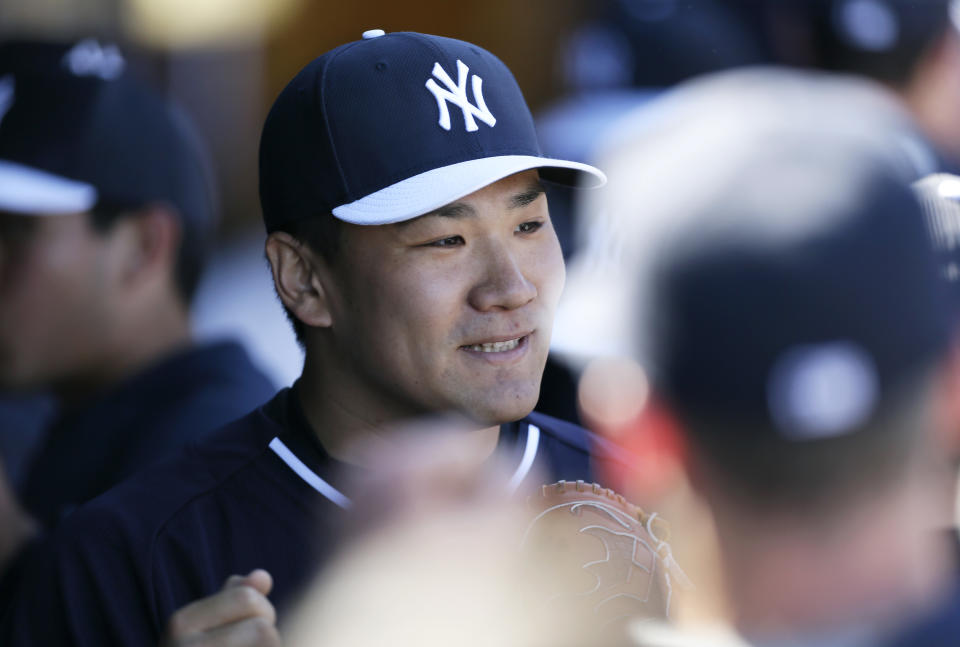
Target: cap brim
[
  {"x": 26, "y": 190},
  {"x": 433, "y": 189}
]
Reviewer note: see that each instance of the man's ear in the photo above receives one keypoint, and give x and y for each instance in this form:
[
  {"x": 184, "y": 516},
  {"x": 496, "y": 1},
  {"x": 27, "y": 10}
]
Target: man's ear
[
  {"x": 296, "y": 277},
  {"x": 147, "y": 244}
]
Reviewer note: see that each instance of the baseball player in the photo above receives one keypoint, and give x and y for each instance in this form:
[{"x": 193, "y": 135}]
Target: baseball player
[
  {"x": 105, "y": 211},
  {"x": 411, "y": 244}
]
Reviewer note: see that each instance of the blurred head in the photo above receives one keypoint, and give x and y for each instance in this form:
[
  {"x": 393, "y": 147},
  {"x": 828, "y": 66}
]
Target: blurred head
[
  {"x": 802, "y": 320},
  {"x": 777, "y": 288},
  {"x": 410, "y": 239},
  {"x": 106, "y": 208}
]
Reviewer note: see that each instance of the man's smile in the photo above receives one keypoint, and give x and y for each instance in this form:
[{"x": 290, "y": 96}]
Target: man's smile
[{"x": 499, "y": 348}]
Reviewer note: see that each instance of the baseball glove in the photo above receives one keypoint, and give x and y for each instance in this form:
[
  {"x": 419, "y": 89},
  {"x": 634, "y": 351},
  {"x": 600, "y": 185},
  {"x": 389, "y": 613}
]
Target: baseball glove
[{"x": 609, "y": 560}]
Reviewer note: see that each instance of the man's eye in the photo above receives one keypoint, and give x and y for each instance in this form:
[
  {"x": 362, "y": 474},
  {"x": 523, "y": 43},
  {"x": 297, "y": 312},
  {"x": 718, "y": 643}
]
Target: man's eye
[
  {"x": 449, "y": 241},
  {"x": 529, "y": 227}
]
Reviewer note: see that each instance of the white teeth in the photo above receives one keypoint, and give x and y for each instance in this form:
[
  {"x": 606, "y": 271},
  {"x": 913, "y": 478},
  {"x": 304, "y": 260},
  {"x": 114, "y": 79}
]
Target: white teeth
[{"x": 495, "y": 347}]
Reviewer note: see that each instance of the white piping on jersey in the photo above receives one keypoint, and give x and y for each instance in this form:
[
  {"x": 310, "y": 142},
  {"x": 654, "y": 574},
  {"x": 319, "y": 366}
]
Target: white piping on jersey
[
  {"x": 529, "y": 453},
  {"x": 337, "y": 497},
  {"x": 307, "y": 474}
]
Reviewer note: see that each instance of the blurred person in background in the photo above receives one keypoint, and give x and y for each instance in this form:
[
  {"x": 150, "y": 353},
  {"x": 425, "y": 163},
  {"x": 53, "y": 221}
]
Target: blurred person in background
[
  {"x": 910, "y": 49},
  {"x": 623, "y": 55},
  {"x": 901, "y": 56},
  {"x": 106, "y": 210},
  {"x": 633, "y": 50},
  {"x": 628, "y": 52},
  {"x": 410, "y": 242}
]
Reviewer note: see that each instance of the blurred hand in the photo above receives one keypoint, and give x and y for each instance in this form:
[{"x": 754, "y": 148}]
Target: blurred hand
[{"x": 239, "y": 615}]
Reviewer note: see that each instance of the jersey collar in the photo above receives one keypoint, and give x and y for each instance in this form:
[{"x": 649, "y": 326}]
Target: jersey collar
[{"x": 531, "y": 444}]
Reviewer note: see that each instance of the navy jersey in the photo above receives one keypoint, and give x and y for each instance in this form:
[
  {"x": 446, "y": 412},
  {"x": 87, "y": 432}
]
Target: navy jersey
[
  {"x": 87, "y": 451},
  {"x": 23, "y": 417},
  {"x": 262, "y": 493}
]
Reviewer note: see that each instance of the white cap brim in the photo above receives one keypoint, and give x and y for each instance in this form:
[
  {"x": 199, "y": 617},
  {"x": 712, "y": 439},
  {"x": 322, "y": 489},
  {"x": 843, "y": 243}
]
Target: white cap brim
[
  {"x": 30, "y": 191},
  {"x": 426, "y": 192}
]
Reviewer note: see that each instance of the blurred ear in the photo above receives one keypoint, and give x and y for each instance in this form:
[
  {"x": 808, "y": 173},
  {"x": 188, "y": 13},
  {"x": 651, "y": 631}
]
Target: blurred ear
[
  {"x": 660, "y": 447},
  {"x": 296, "y": 276},
  {"x": 947, "y": 406},
  {"x": 615, "y": 400},
  {"x": 146, "y": 244}
]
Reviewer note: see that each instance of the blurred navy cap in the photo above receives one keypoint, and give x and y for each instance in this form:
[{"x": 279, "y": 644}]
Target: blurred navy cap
[
  {"x": 393, "y": 126},
  {"x": 805, "y": 299},
  {"x": 77, "y": 132}
]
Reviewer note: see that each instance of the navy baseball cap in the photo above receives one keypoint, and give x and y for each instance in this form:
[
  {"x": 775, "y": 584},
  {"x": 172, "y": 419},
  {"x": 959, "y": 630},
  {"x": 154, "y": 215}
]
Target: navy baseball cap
[
  {"x": 805, "y": 299},
  {"x": 393, "y": 126},
  {"x": 77, "y": 132}
]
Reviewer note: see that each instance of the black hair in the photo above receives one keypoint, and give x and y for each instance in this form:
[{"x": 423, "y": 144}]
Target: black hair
[{"x": 757, "y": 465}]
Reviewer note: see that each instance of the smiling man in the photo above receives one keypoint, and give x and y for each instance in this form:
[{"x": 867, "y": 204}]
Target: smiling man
[
  {"x": 410, "y": 243},
  {"x": 448, "y": 311}
]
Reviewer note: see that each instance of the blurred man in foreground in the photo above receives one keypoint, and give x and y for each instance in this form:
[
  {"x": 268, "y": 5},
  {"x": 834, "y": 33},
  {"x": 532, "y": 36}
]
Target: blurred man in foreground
[{"x": 795, "y": 332}]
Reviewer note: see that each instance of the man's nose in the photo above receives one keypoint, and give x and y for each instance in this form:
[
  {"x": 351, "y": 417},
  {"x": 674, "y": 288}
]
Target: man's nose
[{"x": 503, "y": 284}]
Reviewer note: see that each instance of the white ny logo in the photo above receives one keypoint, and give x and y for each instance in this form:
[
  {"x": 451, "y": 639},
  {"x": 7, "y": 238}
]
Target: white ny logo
[{"x": 456, "y": 93}]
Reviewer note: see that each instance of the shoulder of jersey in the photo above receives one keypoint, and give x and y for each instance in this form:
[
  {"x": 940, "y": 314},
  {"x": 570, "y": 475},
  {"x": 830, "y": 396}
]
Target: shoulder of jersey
[
  {"x": 156, "y": 493},
  {"x": 577, "y": 437}
]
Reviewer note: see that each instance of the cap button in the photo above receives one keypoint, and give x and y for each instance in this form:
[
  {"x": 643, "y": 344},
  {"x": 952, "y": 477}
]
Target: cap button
[{"x": 373, "y": 33}]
